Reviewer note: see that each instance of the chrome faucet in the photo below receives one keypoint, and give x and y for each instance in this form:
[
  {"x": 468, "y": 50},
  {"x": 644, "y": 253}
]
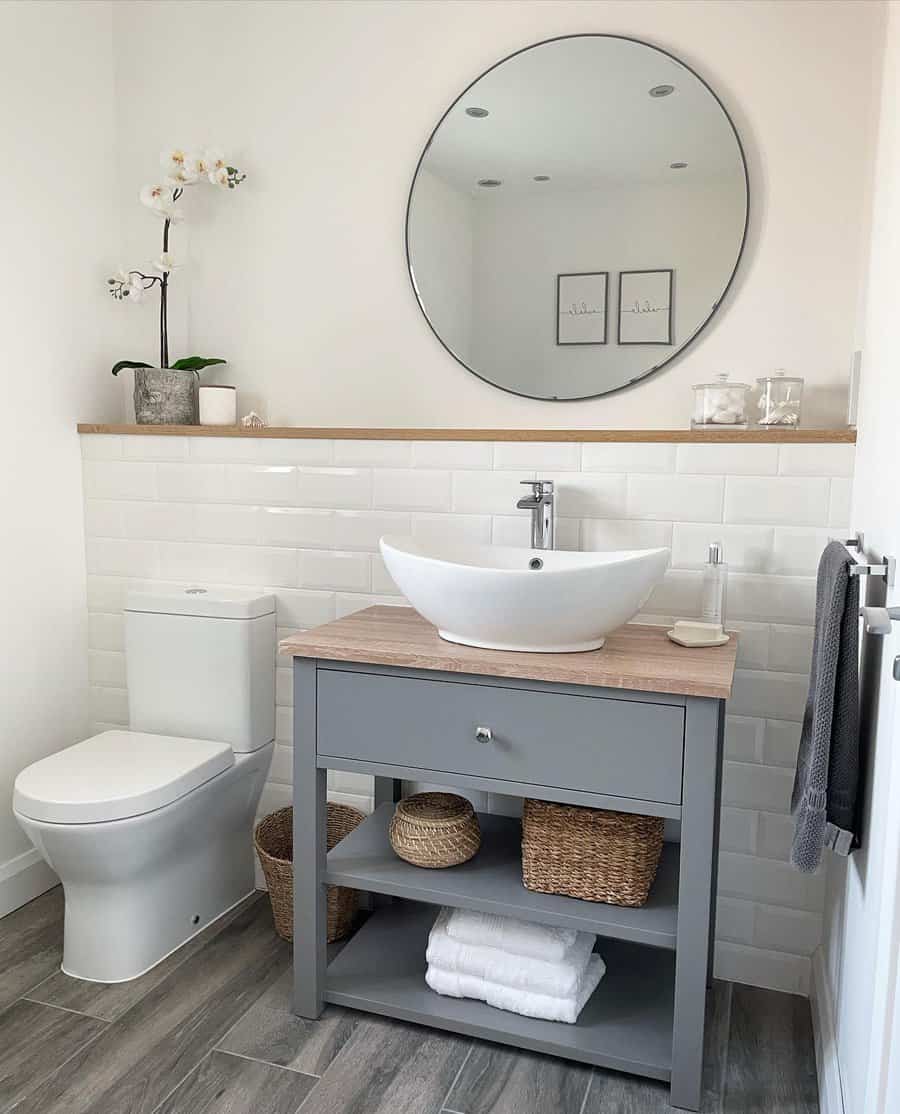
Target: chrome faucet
[{"x": 543, "y": 512}]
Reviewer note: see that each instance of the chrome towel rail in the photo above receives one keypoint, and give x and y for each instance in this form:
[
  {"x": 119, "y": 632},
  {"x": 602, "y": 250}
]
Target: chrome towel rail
[{"x": 886, "y": 567}]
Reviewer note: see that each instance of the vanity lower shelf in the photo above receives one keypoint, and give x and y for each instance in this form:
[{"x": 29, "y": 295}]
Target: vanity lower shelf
[
  {"x": 626, "y": 1025},
  {"x": 491, "y": 882}
]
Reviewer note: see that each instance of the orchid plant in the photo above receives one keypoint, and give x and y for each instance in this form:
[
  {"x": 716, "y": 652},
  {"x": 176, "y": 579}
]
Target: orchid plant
[{"x": 182, "y": 170}]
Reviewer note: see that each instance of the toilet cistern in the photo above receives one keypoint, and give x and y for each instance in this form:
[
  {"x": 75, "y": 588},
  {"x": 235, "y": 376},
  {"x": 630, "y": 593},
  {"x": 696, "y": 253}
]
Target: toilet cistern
[{"x": 543, "y": 512}]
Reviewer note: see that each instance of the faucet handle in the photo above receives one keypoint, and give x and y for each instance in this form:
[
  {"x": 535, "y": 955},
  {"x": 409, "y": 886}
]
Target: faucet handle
[{"x": 539, "y": 487}]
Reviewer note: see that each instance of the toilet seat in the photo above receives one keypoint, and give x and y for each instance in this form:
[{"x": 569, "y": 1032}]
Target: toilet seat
[{"x": 115, "y": 775}]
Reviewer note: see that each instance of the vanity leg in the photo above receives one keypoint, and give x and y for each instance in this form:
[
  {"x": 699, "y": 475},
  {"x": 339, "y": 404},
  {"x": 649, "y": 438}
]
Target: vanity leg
[
  {"x": 388, "y": 790},
  {"x": 717, "y": 821},
  {"x": 310, "y": 819},
  {"x": 695, "y": 897}
]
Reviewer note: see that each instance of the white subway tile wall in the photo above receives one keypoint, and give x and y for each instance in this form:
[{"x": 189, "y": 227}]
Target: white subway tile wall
[{"x": 301, "y": 519}]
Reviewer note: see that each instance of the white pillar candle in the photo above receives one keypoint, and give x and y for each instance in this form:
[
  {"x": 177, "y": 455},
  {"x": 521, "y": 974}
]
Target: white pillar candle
[{"x": 218, "y": 405}]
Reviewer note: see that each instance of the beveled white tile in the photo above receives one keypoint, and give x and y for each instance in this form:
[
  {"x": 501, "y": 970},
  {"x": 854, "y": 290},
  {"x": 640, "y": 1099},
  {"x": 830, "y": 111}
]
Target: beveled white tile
[
  {"x": 300, "y": 609},
  {"x": 787, "y": 930},
  {"x": 751, "y": 785},
  {"x": 750, "y": 460},
  {"x": 759, "y": 967},
  {"x": 677, "y": 594},
  {"x": 767, "y": 694},
  {"x": 839, "y": 513},
  {"x": 106, "y": 632},
  {"x": 428, "y": 527},
  {"x": 734, "y": 920},
  {"x": 100, "y": 446},
  {"x": 776, "y": 500},
  {"x": 363, "y": 529},
  {"x": 747, "y": 548},
  {"x": 106, "y": 667},
  {"x": 781, "y": 742},
  {"x": 743, "y": 738},
  {"x": 106, "y": 593},
  {"x": 150, "y": 447},
  {"x": 227, "y": 564},
  {"x": 292, "y": 450},
  {"x": 121, "y": 557},
  {"x": 770, "y": 599},
  {"x": 192, "y": 482},
  {"x": 488, "y": 493},
  {"x": 103, "y": 518},
  {"x": 796, "y": 551},
  {"x": 675, "y": 498},
  {"x": 769, "y": 881},
  {"x": 776, "y": 834},
  {"x": 226, "y": 523},
  {"x": 452, "y": 455},
  {"x": 598, "y": 456},
  {"x": 515, "y": 530},
  {"x": 284, "y": 688},
  {"x": 790, "y": 648},
  {"x": 284, "y": 725},
  {"x": 382, "y": 581},
  {"x": 346, "y": 572},
  {"x": 816, "y": 460},
  {"x": 537, "y": 456},
  {"x": 348, "y": 602},
  {"x": 738, "y": 830},
  {"x": 282, "y": 767},
  {"x": 119, "y": 479},
  {"x": 336, "y": 488},
  {"x": 222, "y": 448},
  {"x": 752, "y": 642},
  {"x": 159, "y": 521},
  {"x": 589, "y": 495},
  {"x": 299, "y": 527},
  {"x": 408, "y": 489},
  {"x": 108, "y": 704},
  {"x": 606, "y": 534},
  {"x": 380, "y": 454},
  {"x": 270, "y": 484}
]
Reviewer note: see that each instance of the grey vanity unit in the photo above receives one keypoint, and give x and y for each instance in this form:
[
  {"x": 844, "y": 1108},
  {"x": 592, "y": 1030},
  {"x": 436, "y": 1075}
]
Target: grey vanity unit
[{"x": 636, "y": 726}]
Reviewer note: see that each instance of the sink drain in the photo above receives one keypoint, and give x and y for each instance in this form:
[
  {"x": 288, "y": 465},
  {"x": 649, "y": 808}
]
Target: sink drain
[{"x": 535, "y": 563}]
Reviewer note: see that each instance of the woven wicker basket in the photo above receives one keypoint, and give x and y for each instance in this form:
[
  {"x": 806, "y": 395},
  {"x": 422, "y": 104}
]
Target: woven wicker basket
[
  {"x": 435, "y": 830},
  {"x": 590, "y": 853},
  {"x": 274, "y": 842}
]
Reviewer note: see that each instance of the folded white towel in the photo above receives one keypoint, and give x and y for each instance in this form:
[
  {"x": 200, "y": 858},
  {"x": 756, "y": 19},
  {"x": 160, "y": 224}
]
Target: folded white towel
[
  {"x": 512, "y": 935},
  {"x": 558, "y": 979},
  {"x": 544, "y": 1006}
]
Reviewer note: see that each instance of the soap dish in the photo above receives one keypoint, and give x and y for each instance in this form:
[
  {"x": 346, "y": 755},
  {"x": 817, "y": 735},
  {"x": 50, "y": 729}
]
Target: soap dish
[{"x": 698, "y": 635}]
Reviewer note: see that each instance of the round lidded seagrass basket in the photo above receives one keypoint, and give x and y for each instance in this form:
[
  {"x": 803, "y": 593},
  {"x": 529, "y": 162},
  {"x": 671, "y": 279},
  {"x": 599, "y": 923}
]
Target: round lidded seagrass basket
[
  {"x": 435, "y": 830},
  {"x": 590, "y": 853},
  {"x": 274, "y": 842}
]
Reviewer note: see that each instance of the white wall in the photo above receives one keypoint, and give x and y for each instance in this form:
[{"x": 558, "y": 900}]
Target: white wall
[
  {"x": 300, "y": 277},
  {"x": 56, "y": 86},
  {"x": 860, "y": 887},
  {"x": 301, "y": 519}
]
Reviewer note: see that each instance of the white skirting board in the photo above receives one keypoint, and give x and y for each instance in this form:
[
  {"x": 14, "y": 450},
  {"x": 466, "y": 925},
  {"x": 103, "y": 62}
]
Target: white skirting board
[
  {"x": 831, "y": 1094},
  {"x": 22, "y": 879}
]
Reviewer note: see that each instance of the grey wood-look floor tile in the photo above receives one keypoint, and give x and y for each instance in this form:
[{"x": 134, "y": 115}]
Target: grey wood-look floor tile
[
  {"x": 111, "y": 1000},
  {"x": 771, "y": 1063},
  {"x": 389, "y": 1068},
  {"x": 715, "y": 1046},
  {"x": 497, "y": 1080},
  {"x": 30, "y": 945},
  {"x": 34, "y": 1041},
  {"x": 224, "y": 1084},
  {"x": 142, "y": 1056},
  {"x": 270, "y": 1031},
  {"x": 612, "y": 1093}
]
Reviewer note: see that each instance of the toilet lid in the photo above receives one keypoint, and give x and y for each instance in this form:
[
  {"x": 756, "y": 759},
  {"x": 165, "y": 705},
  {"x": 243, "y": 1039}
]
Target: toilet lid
[{"x": 115, "y": 775}]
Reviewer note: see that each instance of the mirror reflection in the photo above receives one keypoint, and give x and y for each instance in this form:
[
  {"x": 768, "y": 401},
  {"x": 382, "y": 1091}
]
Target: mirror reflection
[{"x": 577, "y": 216}]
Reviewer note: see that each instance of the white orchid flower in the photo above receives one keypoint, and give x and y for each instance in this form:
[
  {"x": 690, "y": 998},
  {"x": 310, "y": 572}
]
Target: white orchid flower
[
  {"x": 166, "y": 263},
  {"x": 181, "y": 176},
  {"x": 157, "y": 196},
  {"x": 220, "y": 177},
  {"x": 135, "y": 288},
  {"x": 209, "y": 161},
  {"x": 175, "y": 156}
]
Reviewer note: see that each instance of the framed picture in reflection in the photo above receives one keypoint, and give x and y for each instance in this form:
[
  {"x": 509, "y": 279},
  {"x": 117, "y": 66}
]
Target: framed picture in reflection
[
  {"x": 581, "y": 304},
  {"x": 645, "y": 307}
]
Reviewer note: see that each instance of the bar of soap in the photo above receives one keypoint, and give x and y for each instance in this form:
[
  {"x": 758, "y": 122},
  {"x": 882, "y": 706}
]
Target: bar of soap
[{"x": 701, "y": 632}]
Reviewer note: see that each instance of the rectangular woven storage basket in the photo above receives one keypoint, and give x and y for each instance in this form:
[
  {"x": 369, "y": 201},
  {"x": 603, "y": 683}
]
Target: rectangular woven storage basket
[{"x": 589, "y": 852}]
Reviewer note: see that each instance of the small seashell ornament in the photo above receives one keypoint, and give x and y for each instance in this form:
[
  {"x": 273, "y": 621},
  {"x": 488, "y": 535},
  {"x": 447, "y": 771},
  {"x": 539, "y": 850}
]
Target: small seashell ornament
[{"x": 252, "y": 421}]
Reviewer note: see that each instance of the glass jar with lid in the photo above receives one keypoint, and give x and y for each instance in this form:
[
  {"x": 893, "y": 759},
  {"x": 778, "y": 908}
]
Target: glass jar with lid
[
  {"x": 718, "y": 404},
  {"x": 780, "y": 396}
]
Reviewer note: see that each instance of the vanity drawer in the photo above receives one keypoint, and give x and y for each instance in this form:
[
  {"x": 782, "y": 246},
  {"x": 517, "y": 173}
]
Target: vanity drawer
[{"x": 623, "y": 748}]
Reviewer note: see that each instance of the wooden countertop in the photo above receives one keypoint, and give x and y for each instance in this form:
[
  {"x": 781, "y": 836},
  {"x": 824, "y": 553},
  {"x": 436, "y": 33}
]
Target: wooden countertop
[
  {"x": 635, "y": 657},
  {"x": 695, "y": 436}
]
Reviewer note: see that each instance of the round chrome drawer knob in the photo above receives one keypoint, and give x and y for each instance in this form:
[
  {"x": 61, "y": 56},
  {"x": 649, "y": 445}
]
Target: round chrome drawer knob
[{"x": 483, "y": 734}]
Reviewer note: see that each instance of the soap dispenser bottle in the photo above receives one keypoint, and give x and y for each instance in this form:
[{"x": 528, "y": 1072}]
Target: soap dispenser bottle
[{"x": 715, "y": 578}]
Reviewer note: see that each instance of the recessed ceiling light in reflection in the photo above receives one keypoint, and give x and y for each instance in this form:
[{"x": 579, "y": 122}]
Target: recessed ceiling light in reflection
[
  {"x": 678, "y": 166},
  {"x": 476, "y": 112},
  {"x": 542, "y": 177},
  {"x": 489, "y": 183},
  {"x": 662, "y": 90}
]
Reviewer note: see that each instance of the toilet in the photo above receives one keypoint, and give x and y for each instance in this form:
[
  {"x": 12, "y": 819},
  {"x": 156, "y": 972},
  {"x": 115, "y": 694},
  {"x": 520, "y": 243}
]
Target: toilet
[{"x": 150, "y": 828}]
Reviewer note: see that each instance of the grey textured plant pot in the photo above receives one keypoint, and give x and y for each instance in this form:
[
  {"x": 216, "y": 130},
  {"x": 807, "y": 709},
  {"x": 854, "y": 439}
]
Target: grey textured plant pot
[{"x": 165, "y": 397}]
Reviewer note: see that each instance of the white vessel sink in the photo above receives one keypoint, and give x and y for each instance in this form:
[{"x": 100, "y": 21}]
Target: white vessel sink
[{"x": 506, "y": 598}]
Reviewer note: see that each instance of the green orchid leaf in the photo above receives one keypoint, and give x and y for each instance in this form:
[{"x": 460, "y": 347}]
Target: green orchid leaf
[
  {"x": 196, "y": 363},
  {"x": 128, "y": 363}
]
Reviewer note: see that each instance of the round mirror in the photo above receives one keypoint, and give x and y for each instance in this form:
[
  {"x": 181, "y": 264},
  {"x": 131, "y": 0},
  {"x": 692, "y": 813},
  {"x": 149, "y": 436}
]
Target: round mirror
[{"x": 576, "y": 216}]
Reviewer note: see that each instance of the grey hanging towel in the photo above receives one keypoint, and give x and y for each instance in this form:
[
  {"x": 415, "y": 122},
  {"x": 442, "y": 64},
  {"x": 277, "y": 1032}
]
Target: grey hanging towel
[{"x": 824, "y": 798}]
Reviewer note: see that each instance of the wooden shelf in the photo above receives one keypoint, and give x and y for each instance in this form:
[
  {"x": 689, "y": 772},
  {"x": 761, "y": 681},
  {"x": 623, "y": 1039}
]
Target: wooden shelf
[
  {"x": 713, "y": 437},
  {"x": 626, "y": 1025},
  {"x": 491, "y": 882}
]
